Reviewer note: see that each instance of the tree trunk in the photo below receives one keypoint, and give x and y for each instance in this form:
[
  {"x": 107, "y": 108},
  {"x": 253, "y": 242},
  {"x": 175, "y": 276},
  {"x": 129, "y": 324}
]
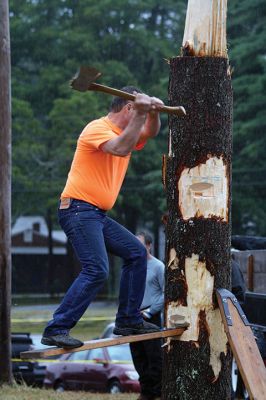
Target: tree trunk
[
  {"x": 5, "y": 196},
  {"x": 50, "y": 258},
  {"x": 197, "y": 176}
]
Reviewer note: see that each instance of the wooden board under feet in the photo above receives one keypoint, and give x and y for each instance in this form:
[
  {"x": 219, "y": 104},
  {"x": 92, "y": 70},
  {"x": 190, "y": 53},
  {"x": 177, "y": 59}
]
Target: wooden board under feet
[{"x": 95, "y": 344}]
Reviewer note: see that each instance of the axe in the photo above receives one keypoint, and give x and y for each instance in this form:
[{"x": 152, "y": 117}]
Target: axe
[{"x": 84, "y": 80}]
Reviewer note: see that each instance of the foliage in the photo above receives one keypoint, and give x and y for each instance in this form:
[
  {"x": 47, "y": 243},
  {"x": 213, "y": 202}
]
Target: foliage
[
  {"x": 129, "y": 45},
  {"x": 129, "y": 42},
  {"x": 247, "y": 34}
]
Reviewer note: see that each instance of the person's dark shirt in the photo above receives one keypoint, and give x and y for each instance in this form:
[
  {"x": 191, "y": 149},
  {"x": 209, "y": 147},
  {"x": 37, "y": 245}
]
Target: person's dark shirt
[{"x": 238, "y": 283}]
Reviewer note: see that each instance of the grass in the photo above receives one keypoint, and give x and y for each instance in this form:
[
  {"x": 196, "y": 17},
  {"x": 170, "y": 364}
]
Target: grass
[
  {"x": 25, "y": 319},
  {"x": 23, "y": 392},
  {"x": 90, "y": 326}
]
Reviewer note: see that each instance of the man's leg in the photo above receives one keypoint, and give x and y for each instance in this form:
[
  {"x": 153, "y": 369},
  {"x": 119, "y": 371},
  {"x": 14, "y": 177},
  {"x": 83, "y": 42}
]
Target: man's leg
[
  {"x": 153, "y": 373},
  {"x": 124, "y": 244},
  {"x": 83, "y": 225},
  {"x": 153, "y": 350},
  {"x": 147, "y": 359},
  {"x": 141, "y": 364}
]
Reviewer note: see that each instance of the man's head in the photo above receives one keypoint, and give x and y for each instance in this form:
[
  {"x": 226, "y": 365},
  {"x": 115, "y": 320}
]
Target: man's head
[
  {"x": 118, "y": 102},
  {"x": 146, "y": 239}
]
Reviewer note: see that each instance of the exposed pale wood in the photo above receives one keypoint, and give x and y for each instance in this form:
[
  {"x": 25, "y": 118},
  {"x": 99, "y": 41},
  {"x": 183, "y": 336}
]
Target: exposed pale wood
[
  {"x": 246, "y": 353},
  {"x": 205, "y": 29},
  {"x": 203, "y": 190},
  {"x": 5, "y": 195},
  {"x": 95, "y": 344},
  {"x": 200, "y": 286}
]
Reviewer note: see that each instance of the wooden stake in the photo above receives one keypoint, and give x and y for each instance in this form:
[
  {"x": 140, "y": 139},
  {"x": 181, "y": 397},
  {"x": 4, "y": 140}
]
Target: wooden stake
[{"x": 250, "y": 273}]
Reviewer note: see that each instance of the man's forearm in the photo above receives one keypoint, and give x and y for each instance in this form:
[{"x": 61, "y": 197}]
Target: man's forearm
[
  {"x": 126, "y": 142},
  {"x": 152, "y": 125},
  {"x": 144, "y": 122}
]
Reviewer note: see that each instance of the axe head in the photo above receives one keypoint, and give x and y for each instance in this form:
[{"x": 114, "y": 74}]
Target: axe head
[{"x": 84, "y": 78}]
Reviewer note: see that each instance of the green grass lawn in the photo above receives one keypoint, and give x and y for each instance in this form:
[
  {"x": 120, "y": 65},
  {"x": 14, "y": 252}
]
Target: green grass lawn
[
  {"x": 22, "y": 392},
  {"x": 90, "y": 326}
]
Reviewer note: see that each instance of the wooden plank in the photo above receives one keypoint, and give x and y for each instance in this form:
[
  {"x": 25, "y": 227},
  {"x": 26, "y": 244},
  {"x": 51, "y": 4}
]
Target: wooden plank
[
  {"x": 245, "y": 349},
  {"x": 95, "y": 344}
]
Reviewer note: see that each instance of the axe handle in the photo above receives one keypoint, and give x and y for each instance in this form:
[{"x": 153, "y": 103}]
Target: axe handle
[{"x": 180, "y": 111}]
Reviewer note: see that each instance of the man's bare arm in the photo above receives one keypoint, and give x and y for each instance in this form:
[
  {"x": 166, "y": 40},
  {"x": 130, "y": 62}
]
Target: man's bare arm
[
  {"x": 123, "y": 144},
  {"x": 152, "y": 126}
]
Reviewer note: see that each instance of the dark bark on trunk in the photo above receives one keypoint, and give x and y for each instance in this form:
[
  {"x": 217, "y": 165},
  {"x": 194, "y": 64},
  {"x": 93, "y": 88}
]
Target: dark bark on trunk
[
  {"x": 5, "y": 196},
  {"x": 203, "y": 86}
]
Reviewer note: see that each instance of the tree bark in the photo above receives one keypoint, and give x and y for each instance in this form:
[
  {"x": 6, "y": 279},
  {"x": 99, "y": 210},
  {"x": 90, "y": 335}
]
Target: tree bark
[
  {"x": 198, "y": 186},
  {"x": 197, "y": 177},
  {"x": 5, "y": 196}
]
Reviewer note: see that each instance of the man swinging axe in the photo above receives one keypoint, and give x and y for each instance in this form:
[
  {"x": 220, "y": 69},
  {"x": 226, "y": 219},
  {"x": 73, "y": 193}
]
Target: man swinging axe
[{"x": 97, "y": 172}]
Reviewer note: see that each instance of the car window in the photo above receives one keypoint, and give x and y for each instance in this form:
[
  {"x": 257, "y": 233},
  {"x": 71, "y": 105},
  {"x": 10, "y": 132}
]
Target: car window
[
  {"x": 78, "y": 356},
  {"x": 96, "y": 353},
  {"x": 120, "y": 353},
  {"x": 108, "y": 331}
]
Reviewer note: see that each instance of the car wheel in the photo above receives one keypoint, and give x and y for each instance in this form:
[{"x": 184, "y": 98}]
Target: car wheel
[
  {"x": 59, "y": 387},
  {"x": 114, "y": 387}
]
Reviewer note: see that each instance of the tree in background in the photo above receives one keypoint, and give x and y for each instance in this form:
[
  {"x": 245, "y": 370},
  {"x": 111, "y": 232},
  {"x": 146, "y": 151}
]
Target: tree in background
[
  {"x": 129, "y": 43},
  {"x": 49, "y": 43},
  {"x": 247, "y": 34}
]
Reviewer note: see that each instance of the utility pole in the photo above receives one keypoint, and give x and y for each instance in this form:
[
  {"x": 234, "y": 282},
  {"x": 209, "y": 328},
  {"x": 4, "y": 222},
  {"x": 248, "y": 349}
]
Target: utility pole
[
  {"x": 5, "y": 195},
  {"x": 197, "y": 176}
]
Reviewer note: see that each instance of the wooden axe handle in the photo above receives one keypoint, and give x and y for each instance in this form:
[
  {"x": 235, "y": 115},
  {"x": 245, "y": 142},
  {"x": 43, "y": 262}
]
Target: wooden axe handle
[{"x": 180, "y": 111}]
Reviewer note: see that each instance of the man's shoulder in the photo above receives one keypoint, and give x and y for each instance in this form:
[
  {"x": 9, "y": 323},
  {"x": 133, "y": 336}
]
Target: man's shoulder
[
  {"x": 97, "y": 129},
  {"x": 157, "y": 263},
  {"x": 95, "y": 125}
]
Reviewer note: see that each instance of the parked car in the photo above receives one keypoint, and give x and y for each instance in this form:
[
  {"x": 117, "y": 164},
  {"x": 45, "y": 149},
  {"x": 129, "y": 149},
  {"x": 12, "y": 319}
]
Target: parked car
[
  {"x": 40, "y": 365},
  {"x": 255, "y": 310},
  {"x": 22, "y": 369},
  {"x": 108, "y": 369},
  {"x": 31, "y": 372},
  {"x": 108, "y": 331}
]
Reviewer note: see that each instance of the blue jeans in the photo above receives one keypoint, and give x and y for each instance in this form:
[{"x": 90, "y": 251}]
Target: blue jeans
[{"x": 92, "y": 233}]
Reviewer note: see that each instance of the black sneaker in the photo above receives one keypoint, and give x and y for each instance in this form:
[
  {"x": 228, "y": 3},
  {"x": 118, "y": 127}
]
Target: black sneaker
[
  {"x": 64, "y": 341},
  {"x": 137, "y": 329}
]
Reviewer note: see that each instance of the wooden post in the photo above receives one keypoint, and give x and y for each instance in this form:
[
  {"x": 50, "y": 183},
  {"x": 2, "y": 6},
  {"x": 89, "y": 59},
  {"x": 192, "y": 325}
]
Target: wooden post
[
  {"x": 198, "y": 185},
  {"x": 5, "y": 195},
  {"x": 250, "y": 273}
]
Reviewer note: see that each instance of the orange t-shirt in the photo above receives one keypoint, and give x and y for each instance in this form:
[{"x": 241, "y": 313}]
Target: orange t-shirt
[{"x": 95, "y": 176}]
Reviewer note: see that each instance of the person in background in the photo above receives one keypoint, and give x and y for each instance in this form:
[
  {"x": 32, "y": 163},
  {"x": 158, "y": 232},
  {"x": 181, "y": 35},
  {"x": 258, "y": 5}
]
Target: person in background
[
  {"x": 238, "y": 282},
  {"x": 147, "y": 355}
]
